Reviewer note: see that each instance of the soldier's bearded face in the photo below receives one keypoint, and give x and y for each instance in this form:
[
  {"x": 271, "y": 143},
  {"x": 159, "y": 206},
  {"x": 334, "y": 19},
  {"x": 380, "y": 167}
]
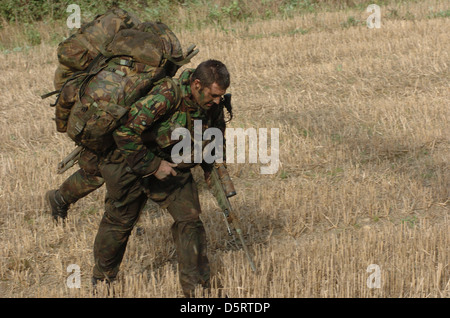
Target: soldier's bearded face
[{"x": 207, "y": 96}]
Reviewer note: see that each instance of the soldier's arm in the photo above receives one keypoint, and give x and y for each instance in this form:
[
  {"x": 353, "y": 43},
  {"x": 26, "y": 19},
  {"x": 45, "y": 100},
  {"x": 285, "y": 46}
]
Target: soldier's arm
[{"x": 141, "y": 117}]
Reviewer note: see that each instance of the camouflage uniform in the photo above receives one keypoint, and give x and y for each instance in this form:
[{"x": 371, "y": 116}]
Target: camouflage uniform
[
  {"x": 103, "y": 89},
  {"x": 142, "y": 143},
  {"x": 84, "y": 180}
]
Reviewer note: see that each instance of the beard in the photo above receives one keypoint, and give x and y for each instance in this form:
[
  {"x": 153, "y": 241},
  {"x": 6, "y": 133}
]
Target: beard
[{"x": 202, "y": 104}]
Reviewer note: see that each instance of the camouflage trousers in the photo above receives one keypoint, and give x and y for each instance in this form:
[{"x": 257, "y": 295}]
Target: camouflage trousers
[
  {"x": 84, "y": 180},
  {"x": 126, "y": 197}
]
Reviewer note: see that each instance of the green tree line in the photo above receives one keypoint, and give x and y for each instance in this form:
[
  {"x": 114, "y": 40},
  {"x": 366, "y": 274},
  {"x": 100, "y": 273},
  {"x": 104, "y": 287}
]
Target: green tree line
[
  {"x": 25, "y": 23},
  {"x": 29, "y": 11}
]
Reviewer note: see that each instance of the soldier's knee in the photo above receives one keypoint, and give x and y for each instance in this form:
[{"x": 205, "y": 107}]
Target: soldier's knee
[
  {"x": 187, "y": 228},
  {"x": 118, "y": 218},
  {"x": 90, "y": 180},
  {"x": 124, "y": 217}
]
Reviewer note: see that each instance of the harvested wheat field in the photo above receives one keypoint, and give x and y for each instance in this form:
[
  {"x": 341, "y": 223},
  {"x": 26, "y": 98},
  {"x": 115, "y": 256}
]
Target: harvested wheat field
[{"x": 359, "y": 205}]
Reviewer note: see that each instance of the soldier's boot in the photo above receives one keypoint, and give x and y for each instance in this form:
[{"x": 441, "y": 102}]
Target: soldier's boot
[{"x": 57, "y": 204}]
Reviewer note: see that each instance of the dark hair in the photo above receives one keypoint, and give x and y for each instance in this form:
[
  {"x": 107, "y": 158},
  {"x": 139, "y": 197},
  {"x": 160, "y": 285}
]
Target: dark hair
[{"x": 212, "y": 71}]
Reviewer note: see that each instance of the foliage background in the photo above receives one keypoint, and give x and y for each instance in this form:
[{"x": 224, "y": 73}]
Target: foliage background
[{"x": 26, "y": 23}]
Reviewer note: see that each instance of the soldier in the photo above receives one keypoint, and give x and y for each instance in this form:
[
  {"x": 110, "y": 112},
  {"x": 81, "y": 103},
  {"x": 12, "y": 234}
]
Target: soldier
[{"x": 141, "y": 167}]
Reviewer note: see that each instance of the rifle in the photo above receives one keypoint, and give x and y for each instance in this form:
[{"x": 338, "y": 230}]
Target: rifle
[
  {"x": 70, "y": 160},
  {"x": 223, "y": 188}
]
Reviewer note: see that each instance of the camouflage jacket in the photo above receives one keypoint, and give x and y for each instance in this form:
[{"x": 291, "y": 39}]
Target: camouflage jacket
[{"x": 145, "y": 138}]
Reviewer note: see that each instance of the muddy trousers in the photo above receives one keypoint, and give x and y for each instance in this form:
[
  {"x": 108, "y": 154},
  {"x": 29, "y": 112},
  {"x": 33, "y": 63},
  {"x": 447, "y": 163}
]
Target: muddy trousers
[
  {"x": 84, "y": 180},
  {"x": 79, "y": 185},
  {"x": 187, "y": 231}
]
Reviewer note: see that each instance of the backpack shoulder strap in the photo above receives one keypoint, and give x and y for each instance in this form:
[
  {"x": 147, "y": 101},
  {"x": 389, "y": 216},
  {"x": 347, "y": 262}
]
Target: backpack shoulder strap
[{"x": 176, "y": 85}]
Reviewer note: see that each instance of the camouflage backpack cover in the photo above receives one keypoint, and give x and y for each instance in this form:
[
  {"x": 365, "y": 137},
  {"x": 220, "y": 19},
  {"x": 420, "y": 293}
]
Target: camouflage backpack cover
[
  {"x": 105, "y": 67},
  {"x": 79, "y": 50}
]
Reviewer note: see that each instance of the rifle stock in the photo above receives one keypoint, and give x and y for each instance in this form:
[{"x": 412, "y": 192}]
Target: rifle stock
[
  {"x": 70, "y": 160},
  {"x": 227, "y": 210}
]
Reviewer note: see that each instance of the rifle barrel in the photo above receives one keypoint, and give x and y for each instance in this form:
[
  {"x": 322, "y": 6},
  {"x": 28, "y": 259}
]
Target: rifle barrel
[{"x": 228, "y": 213}]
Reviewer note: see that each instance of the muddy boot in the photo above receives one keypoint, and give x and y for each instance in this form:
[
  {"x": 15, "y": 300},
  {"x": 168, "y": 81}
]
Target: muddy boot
[{"x": 58, "y": 205}]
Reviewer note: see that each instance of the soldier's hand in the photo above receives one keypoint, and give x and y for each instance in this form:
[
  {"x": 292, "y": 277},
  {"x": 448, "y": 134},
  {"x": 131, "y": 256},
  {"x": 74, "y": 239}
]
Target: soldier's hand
[{"x": 165, "y": 169}]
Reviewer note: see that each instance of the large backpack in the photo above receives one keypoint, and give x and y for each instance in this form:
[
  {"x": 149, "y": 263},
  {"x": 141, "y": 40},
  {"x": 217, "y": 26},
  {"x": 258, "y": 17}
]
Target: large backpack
[
  {"x": 106, "y": 66},
  {"x": 79, "y": 50}
]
